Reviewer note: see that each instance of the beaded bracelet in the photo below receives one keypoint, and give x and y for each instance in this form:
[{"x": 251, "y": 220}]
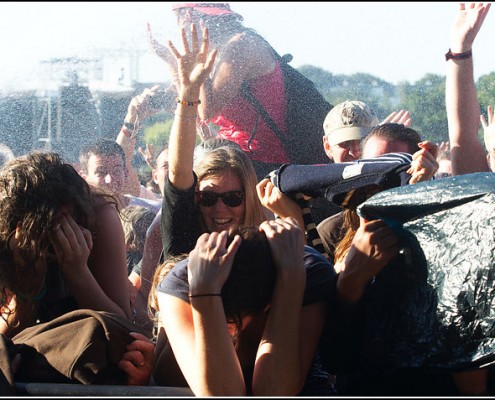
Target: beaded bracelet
[
  {"x": 188, "y": 103},
  {"x": 458, "y": 56}
]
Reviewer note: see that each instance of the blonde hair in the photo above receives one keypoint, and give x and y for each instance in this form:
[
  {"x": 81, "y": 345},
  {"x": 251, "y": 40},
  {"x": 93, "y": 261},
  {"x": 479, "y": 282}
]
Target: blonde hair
[{"x": 230, "y": 159}]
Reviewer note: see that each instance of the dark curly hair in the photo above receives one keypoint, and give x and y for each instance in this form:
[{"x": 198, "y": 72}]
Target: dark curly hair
[{"x": 34, "y": 188}]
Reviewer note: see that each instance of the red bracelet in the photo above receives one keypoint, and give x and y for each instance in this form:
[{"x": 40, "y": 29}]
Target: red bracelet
[
  {"x": 130, "y": 130},
  {"x": 125, "y": 131},
  {"x": 458, "y": 56}
]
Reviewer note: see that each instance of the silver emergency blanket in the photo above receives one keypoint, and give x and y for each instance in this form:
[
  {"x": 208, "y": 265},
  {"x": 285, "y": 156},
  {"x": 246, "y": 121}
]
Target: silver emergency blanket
[{"x": 434, "y": 305}]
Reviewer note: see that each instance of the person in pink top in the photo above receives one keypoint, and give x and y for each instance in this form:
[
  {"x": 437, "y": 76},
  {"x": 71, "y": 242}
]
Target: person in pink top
[{"x": 244, "y": 58}]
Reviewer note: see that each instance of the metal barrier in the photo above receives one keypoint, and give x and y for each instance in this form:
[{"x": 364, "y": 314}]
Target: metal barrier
[{"x": 68, "y": 389}]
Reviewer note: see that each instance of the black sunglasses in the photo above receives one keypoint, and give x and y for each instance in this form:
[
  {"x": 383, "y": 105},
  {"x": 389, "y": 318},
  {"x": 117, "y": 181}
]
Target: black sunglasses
[{"x": 209, "y": 199}]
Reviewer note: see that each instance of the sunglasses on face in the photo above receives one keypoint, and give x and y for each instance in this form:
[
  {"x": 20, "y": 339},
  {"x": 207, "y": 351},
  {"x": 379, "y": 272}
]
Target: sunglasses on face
[{"x": 209, "y": 199}]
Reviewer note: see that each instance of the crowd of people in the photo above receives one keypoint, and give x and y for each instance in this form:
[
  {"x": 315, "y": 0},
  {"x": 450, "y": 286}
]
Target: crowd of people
[{"x": 243, "y": 273}]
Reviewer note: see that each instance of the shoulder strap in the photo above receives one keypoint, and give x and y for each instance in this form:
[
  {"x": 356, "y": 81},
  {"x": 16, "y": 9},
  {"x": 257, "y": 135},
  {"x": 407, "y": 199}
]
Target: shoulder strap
[{"x": 248, "y": 95}]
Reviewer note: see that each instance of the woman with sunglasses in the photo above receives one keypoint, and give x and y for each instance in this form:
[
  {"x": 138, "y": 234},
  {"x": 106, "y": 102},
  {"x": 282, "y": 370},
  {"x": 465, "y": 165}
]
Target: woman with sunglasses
[{"x": 218, "y": 191}]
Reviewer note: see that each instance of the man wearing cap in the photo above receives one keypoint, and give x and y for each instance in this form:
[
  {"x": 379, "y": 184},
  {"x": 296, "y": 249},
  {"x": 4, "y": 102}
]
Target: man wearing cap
[
  {"x": 349, "y": 122},
  {"x": 345, "y": 125}
]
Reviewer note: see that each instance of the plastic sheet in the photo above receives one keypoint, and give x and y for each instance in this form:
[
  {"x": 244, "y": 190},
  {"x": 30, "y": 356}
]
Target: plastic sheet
[{"x": 433, "y": 306}]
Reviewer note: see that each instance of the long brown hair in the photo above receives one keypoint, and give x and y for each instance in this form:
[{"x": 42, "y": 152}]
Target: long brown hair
[
  {"x": 34, "y": 188},
  {"x": 350, "y": 226}
]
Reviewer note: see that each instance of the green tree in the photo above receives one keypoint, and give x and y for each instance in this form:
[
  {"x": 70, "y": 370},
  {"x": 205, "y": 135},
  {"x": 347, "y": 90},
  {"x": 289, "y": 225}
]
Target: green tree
[
  {"x": 377, "y": 93},
  {"x": 486, "y": 91},
  {"x": 158, "y": 133},
  {"x": 425, "y": 100}
]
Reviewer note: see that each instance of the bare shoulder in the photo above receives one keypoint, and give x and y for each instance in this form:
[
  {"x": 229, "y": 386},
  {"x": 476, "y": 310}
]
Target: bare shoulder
[
  {"x": 252, "y": 51},
  {"x": 105, "y": 209}
]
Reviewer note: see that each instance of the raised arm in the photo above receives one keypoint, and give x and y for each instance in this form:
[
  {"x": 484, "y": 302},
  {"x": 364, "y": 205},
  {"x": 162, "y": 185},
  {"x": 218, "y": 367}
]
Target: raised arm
[
  {"x": 198, "y": 332},
  {"x": 139, "y": 108},
  {"x": 193, "y": 68},
  {"x": 463, "y": 111},
  {"x": 291, "y": 331}
]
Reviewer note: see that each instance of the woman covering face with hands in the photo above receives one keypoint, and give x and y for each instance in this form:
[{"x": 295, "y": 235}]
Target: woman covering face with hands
[{"x": 62, "y": 244}]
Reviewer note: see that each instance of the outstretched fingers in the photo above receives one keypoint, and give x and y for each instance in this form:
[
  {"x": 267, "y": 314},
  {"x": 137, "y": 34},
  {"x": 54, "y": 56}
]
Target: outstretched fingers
[{"x": 172, "y": 48}]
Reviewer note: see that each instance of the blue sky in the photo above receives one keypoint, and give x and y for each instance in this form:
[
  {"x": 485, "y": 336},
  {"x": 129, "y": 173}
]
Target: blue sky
[{"x": 396, "y": 41}]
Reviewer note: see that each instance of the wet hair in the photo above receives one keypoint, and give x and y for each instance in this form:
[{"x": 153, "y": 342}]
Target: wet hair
[
  {"x": 33, "y": 189},
  {"x": 218, "y": 25},
  {"x": 210, "y": 144},
  {"x": 249, "y": 287},
  {"x": 392, "y": 132},
  {"x": 231, "y": 159},
  {"x": 135, "y": 222},
  {"x": 102, "y": 147},
  {"x": 221, "y": 28}
]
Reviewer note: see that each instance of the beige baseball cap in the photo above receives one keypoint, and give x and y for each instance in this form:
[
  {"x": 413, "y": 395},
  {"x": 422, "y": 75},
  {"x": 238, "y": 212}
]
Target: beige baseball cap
[{"x": 349, "y": 120}]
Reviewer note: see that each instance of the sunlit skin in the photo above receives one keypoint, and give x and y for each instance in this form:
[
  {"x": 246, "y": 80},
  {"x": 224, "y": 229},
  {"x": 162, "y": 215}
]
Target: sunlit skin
[
  {"x": 377, "y": 146},
  {"x": 106, "y": 172},
  {"x": 220, "y": 217},
  {"x": 347, "y": 151},
  {"x": 444, "y": 167}
]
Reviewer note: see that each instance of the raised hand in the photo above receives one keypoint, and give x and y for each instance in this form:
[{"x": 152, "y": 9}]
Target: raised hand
[
  {"x": 287, "y": 245},
  {"x": 210, "y": 262},
  {"x": 141, "y": 106},
  {"x": 466, "y": 26},
  {"x": 196, "y": 63},
  {"x": 424, "y": 164},
  {"x": 148, "y": 154},
  {"x": 160, "y": 50},
  {"x": 72, "y": 244},
  {"x": 398, "y": 117}
]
